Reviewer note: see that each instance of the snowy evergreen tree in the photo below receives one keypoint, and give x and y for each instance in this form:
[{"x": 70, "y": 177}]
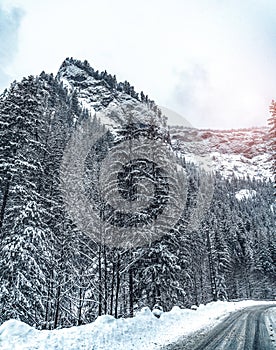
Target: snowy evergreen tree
[{"x": 272, "y": 136}]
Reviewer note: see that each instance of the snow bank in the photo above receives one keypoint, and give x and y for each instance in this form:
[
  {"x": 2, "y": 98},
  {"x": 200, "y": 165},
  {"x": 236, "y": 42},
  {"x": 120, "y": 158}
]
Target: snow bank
[{"x": 144, "y": 331}]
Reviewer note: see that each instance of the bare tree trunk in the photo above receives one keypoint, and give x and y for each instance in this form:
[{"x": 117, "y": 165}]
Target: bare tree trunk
[
  {"x": 4, "y": 202},
  {"x": 48, "y": 302},
  {"x": 117, "y": 285},
  {"x": 202, "y": 296},
  {"x": 211, "y": 267},
  {"x": 195, "y": 289},
  {"x": 130, "y": 292},
  {"x": 105, "y": 282},
  {"x": 100, "y": 279},
  {"x": 79, "y": 320},
  {"x": 112, "y": 288},
  {"x": 57, "y": 306}
]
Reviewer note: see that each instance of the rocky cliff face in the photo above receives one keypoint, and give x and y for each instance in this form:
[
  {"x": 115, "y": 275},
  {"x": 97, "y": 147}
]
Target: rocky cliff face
[
  {"x": 238, "y": 152},
  {"x": 241, "y": 152},
  {"x": 115, "y": 103}
]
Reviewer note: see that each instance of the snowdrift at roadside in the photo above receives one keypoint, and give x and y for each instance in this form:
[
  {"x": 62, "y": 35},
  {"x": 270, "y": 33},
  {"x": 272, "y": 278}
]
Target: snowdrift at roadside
[{"x": 144, "y": 331}]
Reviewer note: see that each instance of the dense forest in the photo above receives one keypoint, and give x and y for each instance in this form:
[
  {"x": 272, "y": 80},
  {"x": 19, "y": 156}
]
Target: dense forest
[{"x": 53, "y": 275}]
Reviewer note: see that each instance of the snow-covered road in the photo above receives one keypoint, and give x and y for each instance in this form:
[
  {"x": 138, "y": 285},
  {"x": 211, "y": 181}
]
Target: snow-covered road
[{"x": 253, "y": 328}]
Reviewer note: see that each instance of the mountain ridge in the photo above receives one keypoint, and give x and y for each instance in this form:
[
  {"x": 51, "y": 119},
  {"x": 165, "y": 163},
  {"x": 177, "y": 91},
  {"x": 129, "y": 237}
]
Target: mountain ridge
[{"x": 111, "y": 101}]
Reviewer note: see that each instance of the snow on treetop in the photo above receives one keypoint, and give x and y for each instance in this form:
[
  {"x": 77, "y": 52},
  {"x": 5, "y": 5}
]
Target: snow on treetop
[{"x": 245, "y": 194}]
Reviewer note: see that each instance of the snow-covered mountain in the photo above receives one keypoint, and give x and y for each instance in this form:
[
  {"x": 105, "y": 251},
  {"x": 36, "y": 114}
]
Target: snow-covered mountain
[
  {"x": 241, "y": 152},
  {"x": 113, "y": 102}
]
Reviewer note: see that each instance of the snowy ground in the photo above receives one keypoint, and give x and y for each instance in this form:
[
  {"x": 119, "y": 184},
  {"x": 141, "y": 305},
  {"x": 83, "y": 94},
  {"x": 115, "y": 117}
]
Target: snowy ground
[{"x": 144, "y": 331}]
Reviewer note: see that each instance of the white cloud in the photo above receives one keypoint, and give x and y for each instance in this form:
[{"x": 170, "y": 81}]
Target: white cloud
[{"x": 9, "y": 25}]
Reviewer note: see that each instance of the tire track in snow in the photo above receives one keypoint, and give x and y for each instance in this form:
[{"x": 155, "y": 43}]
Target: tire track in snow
[{"x": 248, "y": 329}]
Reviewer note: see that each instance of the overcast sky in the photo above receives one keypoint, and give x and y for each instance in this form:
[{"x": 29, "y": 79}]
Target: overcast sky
[{"x": 212, "y": 61}]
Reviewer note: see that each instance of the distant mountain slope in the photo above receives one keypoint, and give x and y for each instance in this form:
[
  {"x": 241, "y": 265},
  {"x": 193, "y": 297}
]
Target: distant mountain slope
[{"x": 238, "y": 152}]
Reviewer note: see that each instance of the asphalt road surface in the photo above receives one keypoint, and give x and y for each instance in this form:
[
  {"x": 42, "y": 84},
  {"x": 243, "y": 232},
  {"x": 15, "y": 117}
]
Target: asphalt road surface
[{"x": 253, "y": 328}]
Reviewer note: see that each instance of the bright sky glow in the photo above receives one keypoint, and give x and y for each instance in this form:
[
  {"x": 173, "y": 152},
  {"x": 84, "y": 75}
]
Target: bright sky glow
[{"x": 212, "y": 61}]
